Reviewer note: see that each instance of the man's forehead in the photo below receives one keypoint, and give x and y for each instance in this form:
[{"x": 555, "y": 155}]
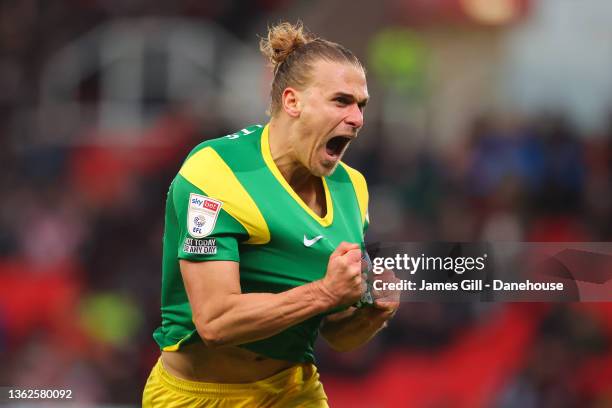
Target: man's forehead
[{"x": 342, "y": 78}]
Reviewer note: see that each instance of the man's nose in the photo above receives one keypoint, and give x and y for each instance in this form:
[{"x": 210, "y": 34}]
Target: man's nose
[{"x": 355, "y": 117}]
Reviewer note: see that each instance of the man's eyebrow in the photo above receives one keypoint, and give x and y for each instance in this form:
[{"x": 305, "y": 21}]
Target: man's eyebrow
[{"x": 362, "y": 102}]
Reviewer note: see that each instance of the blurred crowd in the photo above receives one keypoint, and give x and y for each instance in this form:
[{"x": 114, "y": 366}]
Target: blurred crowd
[
  {"x": 510, "y": 178},
  {"x": 81, "y": 228}
]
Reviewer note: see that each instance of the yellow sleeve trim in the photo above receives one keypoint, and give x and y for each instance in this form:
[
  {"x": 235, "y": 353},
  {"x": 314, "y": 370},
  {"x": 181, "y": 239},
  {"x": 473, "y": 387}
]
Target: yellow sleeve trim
[
  {"x": 361, "y": 190},
  {"x": 207, "y": 171}
]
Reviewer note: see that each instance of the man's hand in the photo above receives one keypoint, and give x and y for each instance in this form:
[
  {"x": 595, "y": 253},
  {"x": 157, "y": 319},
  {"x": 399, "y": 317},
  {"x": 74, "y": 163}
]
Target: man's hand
[
  {"x": 351, "y": 328},
  {"x": 386, "y": 301},
  {"x": 343, "y": 283}
]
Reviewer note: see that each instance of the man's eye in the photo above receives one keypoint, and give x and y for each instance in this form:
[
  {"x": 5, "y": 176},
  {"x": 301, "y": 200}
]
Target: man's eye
[{"x": 342, "y": 101}]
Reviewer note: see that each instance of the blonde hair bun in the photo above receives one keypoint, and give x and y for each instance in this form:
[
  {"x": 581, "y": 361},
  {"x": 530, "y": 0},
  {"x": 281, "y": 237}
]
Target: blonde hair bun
[{"x": 282, "y": 40}]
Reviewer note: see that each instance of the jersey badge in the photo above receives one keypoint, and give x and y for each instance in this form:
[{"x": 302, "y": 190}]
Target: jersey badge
[{"x": 202, "y": 215}]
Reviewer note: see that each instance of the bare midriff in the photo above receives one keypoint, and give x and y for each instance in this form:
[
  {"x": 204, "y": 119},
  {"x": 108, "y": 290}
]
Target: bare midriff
[{"x": 228, "y": 364}]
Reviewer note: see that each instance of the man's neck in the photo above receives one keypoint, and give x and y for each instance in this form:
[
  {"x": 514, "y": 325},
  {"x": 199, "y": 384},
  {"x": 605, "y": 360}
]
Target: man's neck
[
  {"x": 302, "y": 181},
  {"x": 280, "y": 132}
]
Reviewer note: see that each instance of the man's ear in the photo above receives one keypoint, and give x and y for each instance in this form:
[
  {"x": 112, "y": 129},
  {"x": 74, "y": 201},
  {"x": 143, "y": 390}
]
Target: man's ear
[{"x": 291, "y": 102}]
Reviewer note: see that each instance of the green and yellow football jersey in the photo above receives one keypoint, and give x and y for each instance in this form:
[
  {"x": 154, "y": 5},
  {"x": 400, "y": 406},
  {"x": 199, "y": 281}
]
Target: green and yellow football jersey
[{"x": 230, "y": 202}]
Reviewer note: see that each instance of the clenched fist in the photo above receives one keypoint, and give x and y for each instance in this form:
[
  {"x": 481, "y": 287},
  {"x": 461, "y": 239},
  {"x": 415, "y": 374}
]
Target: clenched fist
[{"x": 343, "y": 283}]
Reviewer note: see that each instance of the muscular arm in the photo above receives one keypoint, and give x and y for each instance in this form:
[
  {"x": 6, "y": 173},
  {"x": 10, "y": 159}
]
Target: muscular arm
[{"x": 225, "y": 316}]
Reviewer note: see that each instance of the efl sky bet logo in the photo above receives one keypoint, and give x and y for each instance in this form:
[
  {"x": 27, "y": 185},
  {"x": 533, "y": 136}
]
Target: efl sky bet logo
[{"x": 202, "y": 215}]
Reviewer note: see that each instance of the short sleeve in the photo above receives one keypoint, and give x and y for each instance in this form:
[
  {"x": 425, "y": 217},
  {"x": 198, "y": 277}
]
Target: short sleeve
[{"x": 206, "y": 232}]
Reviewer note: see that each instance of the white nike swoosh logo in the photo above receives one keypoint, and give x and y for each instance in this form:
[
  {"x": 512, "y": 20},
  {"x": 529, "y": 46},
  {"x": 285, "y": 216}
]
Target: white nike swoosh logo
[{"x": 311, "y": 242}]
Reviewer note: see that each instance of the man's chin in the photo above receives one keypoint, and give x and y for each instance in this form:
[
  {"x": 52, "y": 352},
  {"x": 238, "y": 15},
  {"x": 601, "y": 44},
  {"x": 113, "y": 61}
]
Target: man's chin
[{"x": 326, "y": 169}]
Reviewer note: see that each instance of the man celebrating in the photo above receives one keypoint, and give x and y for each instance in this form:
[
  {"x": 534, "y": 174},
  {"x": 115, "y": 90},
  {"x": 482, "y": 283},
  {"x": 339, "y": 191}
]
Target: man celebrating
[{"x": 263, "y": 243}]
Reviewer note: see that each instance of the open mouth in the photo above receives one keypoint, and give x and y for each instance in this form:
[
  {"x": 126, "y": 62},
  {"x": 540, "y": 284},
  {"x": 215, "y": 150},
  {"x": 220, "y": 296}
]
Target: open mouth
[{"x": 336, "y": 145}]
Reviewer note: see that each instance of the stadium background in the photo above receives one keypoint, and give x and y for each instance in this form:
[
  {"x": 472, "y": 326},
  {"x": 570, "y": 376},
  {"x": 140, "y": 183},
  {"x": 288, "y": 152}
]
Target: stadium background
[{"x": 489, "y": 120}]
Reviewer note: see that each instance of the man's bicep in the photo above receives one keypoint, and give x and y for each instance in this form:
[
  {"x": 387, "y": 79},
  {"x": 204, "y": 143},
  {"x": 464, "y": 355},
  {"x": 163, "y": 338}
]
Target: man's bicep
[{"x": 209, "y": 284}]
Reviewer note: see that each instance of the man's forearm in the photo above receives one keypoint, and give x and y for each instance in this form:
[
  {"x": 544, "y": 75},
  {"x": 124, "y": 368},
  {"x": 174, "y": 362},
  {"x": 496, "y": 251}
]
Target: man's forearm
[
  {"x": 242, "y": 318},
  {"x": 348, "y": 330}
]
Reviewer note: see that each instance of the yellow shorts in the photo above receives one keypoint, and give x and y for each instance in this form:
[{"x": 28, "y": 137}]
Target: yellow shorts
[{"x": 298, "y": 386}]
